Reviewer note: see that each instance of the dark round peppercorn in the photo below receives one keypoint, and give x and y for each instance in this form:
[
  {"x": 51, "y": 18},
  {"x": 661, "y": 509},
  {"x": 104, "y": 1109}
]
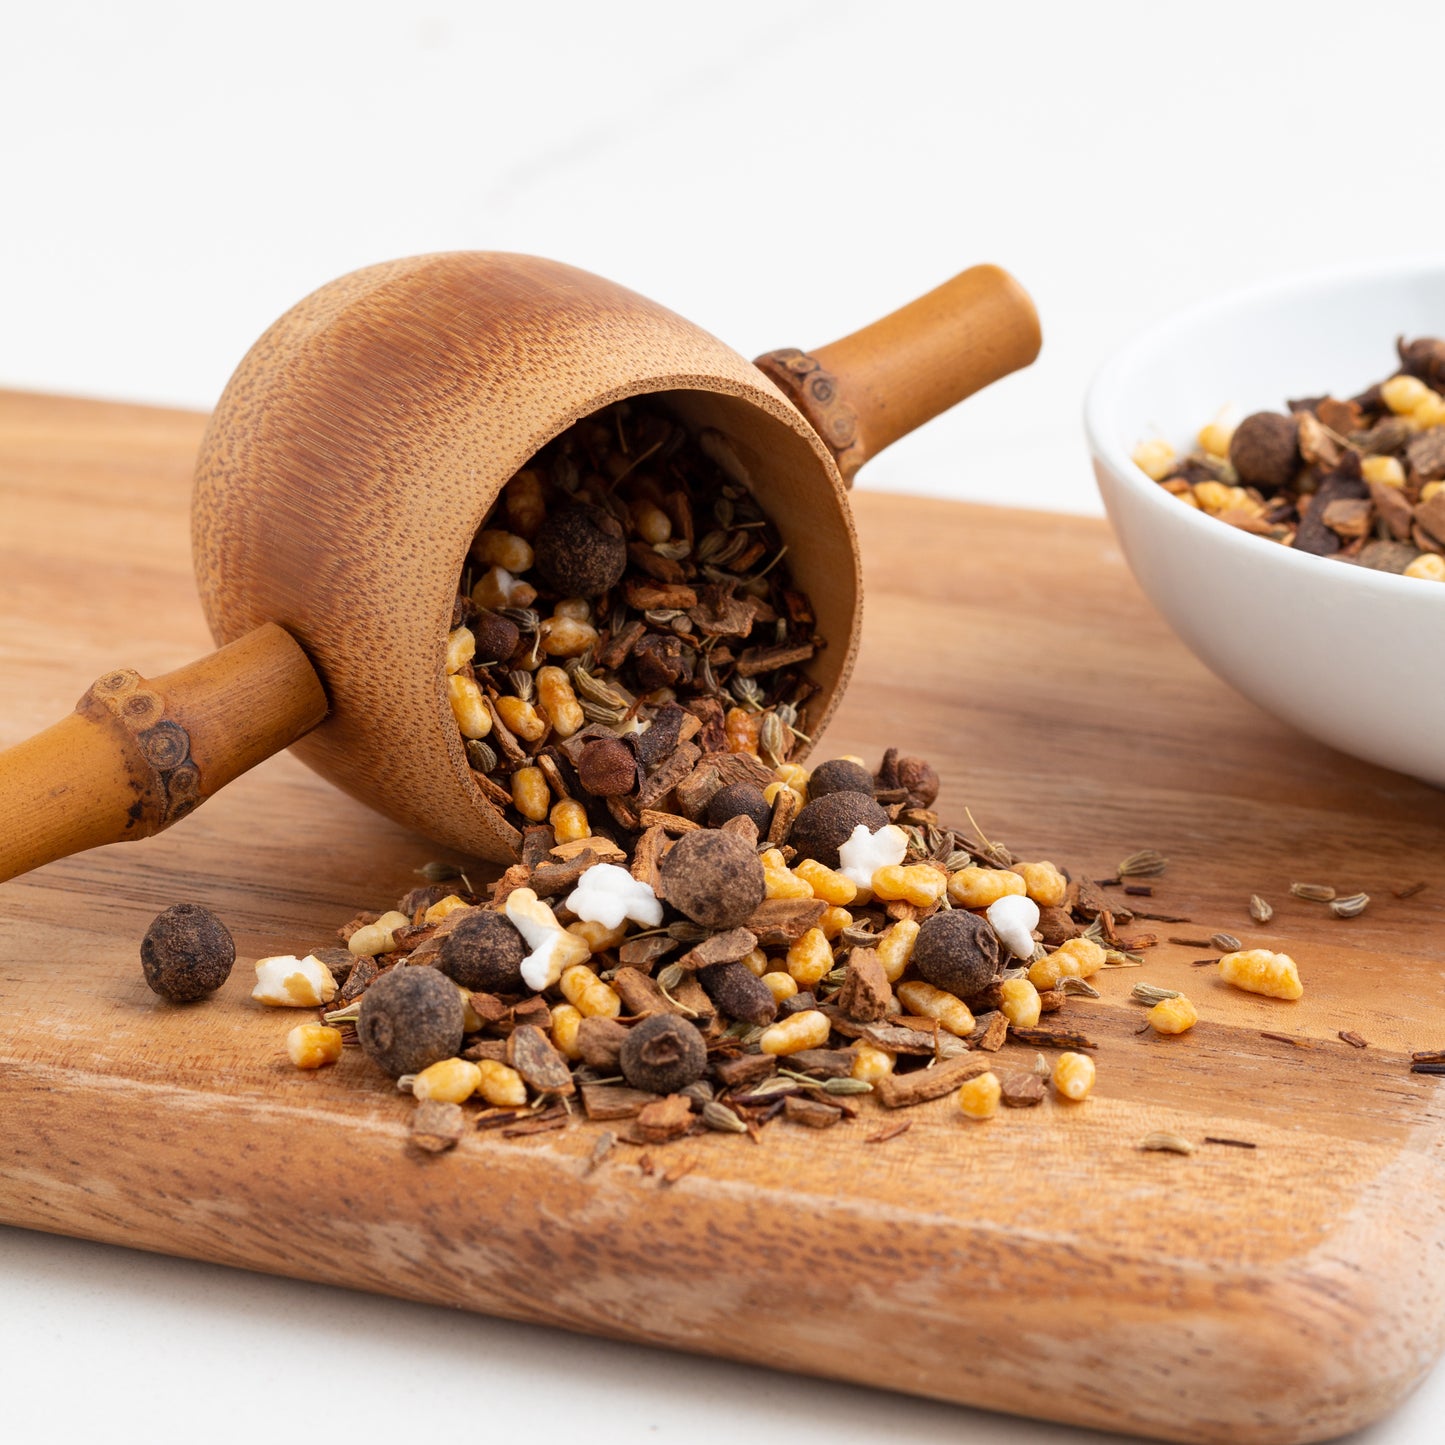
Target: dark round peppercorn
[
  {"x": 483, "y": 952},
  {"x": 739, "y": 800},
  {"x": 957, "y": 952},
  {"x": 838, "y": 775},
  {"x": 738, "y": 992},
  {"x": 1264, "y": 450},
  {"x": 824, "y": 824},
  {"x": 581, "y": 551},
  {"x": 918, "y": 777},
  {"x": 663, "y": 1054},
  {"x": 410, "y": 1018},
  {"x": 714, "y": 877},
  {"x": 607, "y": 768},
  {"x": 187, "y": 953},
  {"x": 496, "y": 637}
]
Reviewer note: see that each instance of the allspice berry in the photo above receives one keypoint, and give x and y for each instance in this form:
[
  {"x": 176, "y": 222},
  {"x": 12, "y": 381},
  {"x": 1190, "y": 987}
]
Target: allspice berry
[
  {"x": 1265, "y": 450},
  {"x": 410, "y": 1018},
  {"x": 483, "y": 952},
  {"x": 957, "y": 952},
  {"x": 838, "y": 775},
  {"x": 918, "y": 776},
  {"x": 825, "y": 824},
  {"x": 663, "y": 1054},
  {"x": 713, "y": 877},
  {"x": 496, "y": 636},
  {"x": 187, "y": 953},
  {"x": 739, "y": 800},
  {"x": 581, "y": 551},
  {"x": 607, "y": 768}
]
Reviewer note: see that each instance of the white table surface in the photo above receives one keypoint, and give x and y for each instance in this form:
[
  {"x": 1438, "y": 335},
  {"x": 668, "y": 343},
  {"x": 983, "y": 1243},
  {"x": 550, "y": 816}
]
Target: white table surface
[{"x": 176, "y": 175}]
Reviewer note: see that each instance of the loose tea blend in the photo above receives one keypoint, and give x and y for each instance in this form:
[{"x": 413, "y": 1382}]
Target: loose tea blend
[
  {"x": 627, "y": 614},
  {"x": 690, "y": 977},
  {"x": 1360, "y": 480},
  {"x": 699, "y": 934}
]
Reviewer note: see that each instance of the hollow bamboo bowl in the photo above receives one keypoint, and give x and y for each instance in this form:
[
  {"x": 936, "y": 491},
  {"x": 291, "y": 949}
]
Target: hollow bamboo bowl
[{"x": 351, "y": 459}]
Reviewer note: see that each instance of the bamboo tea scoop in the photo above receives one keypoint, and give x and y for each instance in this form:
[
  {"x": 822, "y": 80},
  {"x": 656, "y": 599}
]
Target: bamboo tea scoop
[{"x": 351, "y": 459}]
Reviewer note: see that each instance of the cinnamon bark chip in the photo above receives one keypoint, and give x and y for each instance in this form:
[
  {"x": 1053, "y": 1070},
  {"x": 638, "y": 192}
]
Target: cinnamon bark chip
[
  {"x": 668, "y": 1119},
  {"x": 742, "y": 827},
  {"x": 727, "y": 947},
  {"x": 364, "y": 972},
  {"x": 778, "y": 922},
  {"x": 673, "y": 824},
  {"x": 1425, "y": 456},
  {"x": 641, "y": 994},
  {"x": 649, "y": 596},
  {"x": 660, "y": 782},
  {"x": 814, "y": 1113},
  {"x": 866, "y": 993},
  {"x": 758, "y": 660},
  {"x": 1314, "y": 533},
  {"x": 698, "y": 789},
  {"x": 738, "y": 768},
  {"x": 1398, "y": 516},
  {"x": 902, "y": 1091},
  {"x": 1021, "y": 1091},
  {"x": 1431, "y": 515},
  {"x": 990, "y": 1031},
  {"x": 786, "y": 807},
  {"x": 535, "y": 1010},
  {"x": 643, "y": 952},
  {"x": 1349, "y": 517},
  {"x": 697, "y": 1005},
  {"x": 437, "y": 1127},
  {"x": 557, "y": 876},
  {"x": 600, "y": 1041},
  {"x": 671, "y": 727},
  {"x": 647, "y": 857},
  {"x": 823, "y": 1063},
  {"x": 745, "y": 1070},
  {"x": 543, "y": 1069},
  {"x": 493, "y": 1049},
  {"x": 603, "y": 1102},
  {"x": 798, "y": 1003}
]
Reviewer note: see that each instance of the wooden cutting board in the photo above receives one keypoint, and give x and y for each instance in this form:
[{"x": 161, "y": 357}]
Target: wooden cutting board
[{"x": 1041, "y": 1263}]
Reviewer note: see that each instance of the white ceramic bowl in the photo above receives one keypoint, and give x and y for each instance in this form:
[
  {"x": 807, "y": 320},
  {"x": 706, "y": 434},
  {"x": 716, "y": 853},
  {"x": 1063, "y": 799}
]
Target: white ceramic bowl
[{"x": 1353, "y": 657}]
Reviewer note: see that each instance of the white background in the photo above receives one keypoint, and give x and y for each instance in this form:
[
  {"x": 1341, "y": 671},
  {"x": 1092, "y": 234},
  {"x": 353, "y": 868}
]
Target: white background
[{"x": 172, "y": 177}]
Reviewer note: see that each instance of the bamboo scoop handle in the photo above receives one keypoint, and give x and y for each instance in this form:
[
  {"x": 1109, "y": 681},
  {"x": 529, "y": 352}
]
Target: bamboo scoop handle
[
  {"x": 864, "y": 392},
  {"x": 136, "y": 755}
]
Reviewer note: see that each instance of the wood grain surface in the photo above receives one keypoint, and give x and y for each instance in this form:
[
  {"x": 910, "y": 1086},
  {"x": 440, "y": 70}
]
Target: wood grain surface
[{"x": 1040, "y": 1263}]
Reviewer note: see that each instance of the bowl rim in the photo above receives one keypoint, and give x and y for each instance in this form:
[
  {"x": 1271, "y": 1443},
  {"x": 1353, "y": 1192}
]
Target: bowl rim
[{"x": 1109, "y": 386}]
